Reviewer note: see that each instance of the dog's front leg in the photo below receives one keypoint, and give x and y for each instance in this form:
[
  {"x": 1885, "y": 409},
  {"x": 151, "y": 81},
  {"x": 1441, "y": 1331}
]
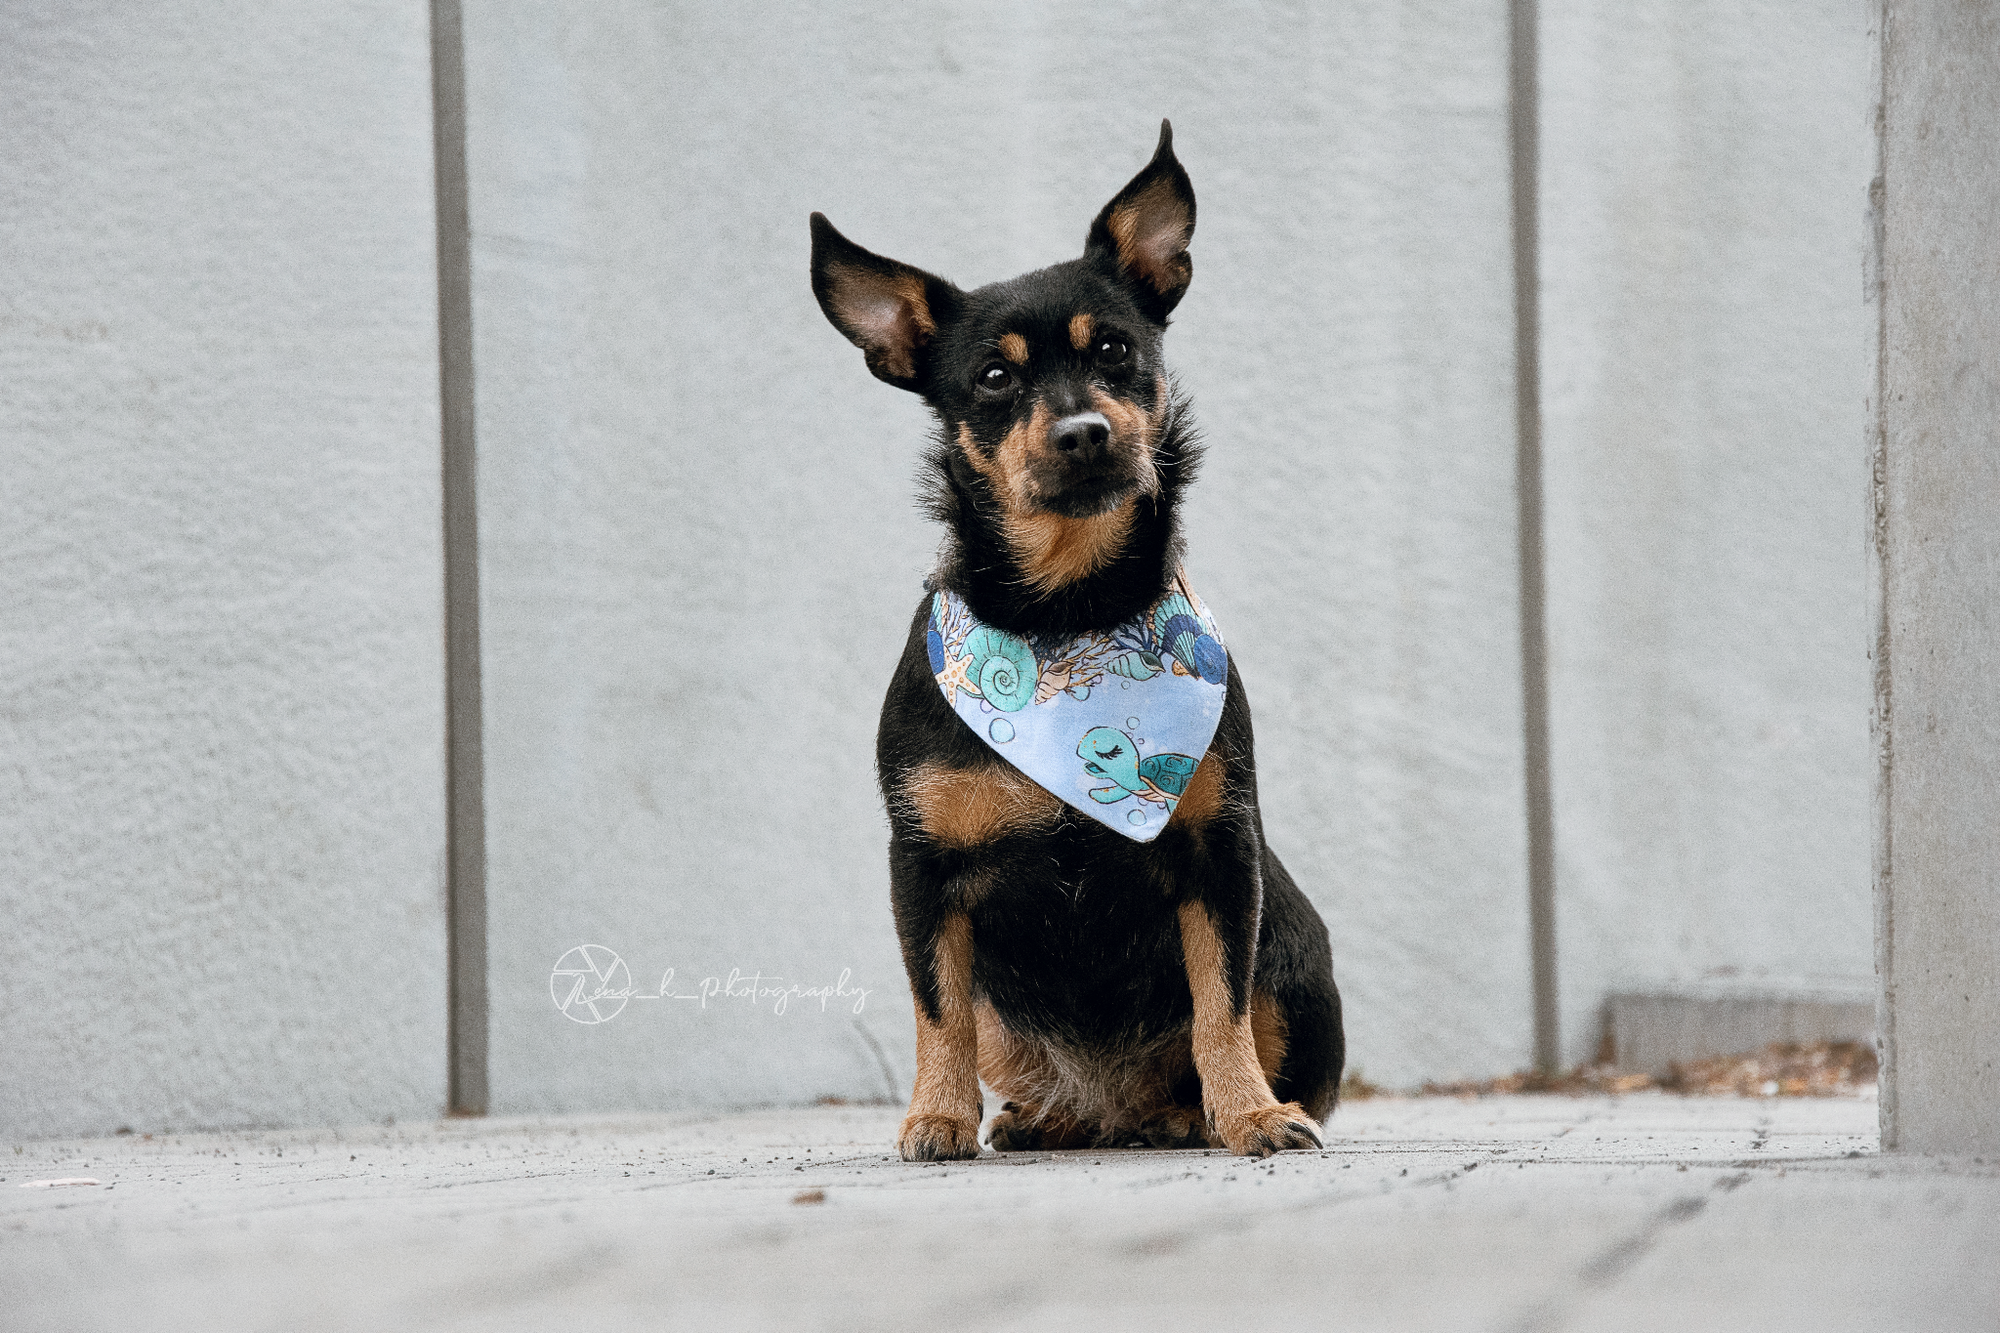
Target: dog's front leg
[
  {"x": 1234, "y": 1093},
  {"x": 943, "y": 1123}
]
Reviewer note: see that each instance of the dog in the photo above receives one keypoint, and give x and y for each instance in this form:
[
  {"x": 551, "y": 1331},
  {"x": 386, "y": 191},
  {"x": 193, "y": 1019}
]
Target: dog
[{"x": 1164, "y": 984}]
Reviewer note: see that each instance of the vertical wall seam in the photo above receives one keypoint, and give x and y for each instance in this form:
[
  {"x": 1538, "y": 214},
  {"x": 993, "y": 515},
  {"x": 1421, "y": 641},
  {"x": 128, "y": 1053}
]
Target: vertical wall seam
[
  {"x": 1881, "y": 715},
  {"x": 465, "y": 802},
  {"x": 1524, "y": 154}
]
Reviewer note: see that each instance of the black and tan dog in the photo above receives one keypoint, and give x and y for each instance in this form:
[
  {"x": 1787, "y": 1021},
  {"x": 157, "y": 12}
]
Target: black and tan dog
[{"x": 1177, "y": 993}]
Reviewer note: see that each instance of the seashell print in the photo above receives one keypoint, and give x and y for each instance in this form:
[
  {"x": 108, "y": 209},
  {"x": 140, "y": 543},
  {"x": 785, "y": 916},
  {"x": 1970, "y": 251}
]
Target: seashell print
[
  {"x": 1055, "y": 679},
  {"x": 1168, "y": 609},
  {"x": 1210, "y": 659},
  {"x": 1004, "y": 667},
  {"x": 1135, "y": 665}
]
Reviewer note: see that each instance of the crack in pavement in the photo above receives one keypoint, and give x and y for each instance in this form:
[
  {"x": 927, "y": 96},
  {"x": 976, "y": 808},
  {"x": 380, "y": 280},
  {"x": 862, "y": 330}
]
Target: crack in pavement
[{"x": 1615, "y": 1260}]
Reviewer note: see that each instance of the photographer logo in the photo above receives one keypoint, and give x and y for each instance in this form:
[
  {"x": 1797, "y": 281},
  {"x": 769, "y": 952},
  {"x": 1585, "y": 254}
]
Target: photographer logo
[{"x": 590, "y": 984}]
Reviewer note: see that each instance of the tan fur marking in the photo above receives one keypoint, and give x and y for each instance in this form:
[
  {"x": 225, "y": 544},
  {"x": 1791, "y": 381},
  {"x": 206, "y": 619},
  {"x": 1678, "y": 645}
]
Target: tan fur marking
[
  {"x": 970, "y": 807},
  {"x": 1202, "y": 801},
  {"x": 979, "y": 461},
  {"x": 1151, "y": 234},
  {"x": 1080, "y": 329},
  {"x": 1225, "y": 1045},
  {"x": 1272, "y": 1034},
  {"x": 1015, "y": 348},
  {"x": 1007, "y": 1065},
  {"x": 1055, "y": 551},
  {"x": 944, "y": 1103},
  {"x": 1235, "y": 1085},
  {"x": 1130, "y": 422},
  {"x": 911, "y": 289},
  {"x": 875, "y": 305},
  {"x": 1011, "y": 458}
]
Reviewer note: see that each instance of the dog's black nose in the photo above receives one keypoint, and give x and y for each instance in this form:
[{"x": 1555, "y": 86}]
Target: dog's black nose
[{"x": 1082, "y": 436}]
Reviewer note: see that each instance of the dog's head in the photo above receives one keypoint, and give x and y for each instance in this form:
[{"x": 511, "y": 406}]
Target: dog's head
[{"x": 1051, "y": 384}]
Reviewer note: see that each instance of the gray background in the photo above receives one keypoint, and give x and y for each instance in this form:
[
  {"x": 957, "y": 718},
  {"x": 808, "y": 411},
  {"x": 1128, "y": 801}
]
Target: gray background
[
  {"x": 1705, "y": 358},
  {"x": 221, "y": 851},
  {"x": 221, "y": 702}
]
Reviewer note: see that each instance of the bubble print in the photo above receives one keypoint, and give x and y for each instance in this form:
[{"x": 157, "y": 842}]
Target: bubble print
[{"x": 1040, "y": 703}]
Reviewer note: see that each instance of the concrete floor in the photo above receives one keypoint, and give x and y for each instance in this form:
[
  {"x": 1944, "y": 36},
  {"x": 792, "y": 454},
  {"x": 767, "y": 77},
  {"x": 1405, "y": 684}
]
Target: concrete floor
[{"x": 1508, "y": 1213}]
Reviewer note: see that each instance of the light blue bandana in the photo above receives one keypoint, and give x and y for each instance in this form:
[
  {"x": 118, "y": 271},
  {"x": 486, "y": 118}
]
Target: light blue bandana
[{"x": 1112, "y": 724}]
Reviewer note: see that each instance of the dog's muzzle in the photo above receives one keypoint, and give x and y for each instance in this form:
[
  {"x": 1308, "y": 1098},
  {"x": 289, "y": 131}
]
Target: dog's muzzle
[{"x": 1083, "y": 437}]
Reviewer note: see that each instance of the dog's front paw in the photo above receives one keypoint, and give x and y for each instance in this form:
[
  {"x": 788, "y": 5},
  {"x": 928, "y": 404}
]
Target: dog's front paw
[
  {"x": 1268, "y": 1129},
  {"x": 937, "y": 1138}
]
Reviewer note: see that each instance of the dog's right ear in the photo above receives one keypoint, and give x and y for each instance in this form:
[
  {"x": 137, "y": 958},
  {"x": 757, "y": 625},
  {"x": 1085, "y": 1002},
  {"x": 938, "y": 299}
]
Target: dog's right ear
[{"x": 887, "y": 309}]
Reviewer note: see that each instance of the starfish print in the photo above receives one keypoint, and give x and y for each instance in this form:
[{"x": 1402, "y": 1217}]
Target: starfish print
[{"x": 952, "y": 678}]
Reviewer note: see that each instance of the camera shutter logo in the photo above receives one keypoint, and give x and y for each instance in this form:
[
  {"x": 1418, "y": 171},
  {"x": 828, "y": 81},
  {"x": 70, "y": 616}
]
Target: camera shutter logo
[{"x": 590, "y": 984}]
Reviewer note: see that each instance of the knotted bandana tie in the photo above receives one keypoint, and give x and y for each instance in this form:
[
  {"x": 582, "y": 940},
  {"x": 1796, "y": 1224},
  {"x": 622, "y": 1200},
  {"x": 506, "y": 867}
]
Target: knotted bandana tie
[{"x": 1112, "y": 724}]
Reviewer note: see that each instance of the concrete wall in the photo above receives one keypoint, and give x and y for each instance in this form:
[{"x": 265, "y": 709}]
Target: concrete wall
[
  {"x": 220, "y": 679},
  {"x": 700, "y": 546},
  {"x": 1704, "y": 350},
  {"x": 223, "y": 827},
  {"x": 1937, "y": 567}
]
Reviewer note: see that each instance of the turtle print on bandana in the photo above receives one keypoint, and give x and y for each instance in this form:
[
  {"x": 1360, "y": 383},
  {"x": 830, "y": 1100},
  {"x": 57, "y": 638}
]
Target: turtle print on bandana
[{"x": 1112, "y": 724}]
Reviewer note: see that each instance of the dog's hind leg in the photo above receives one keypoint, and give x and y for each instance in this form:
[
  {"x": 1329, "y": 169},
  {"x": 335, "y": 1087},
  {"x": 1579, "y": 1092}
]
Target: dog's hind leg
[
  {"x": 1020, "y": 1128},
  {"x": 1301, "y": 1023},
  {"x": 1026, "y": 1079}
]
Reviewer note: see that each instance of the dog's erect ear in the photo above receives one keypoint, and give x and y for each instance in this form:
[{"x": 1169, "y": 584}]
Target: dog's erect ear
[
  {"x": 1145, "y": 230},
  {"x": 887, "y": 309}
]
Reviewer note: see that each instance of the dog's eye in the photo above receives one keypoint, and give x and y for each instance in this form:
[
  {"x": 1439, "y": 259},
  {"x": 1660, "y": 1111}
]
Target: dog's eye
[
  {"x": 1111, "y": 352},
  {"x": 996, "y": 378}
]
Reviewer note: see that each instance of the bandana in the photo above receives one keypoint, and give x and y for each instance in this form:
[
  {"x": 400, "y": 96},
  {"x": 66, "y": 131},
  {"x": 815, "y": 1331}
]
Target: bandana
[{"x": 1112, "y": 724}]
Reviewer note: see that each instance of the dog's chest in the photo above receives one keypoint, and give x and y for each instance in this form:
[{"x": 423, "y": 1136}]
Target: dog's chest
[{"x": 1071, "y": 936}]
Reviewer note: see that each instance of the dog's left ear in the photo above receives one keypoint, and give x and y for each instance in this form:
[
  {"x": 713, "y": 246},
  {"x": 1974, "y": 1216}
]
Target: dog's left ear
[{"x": 1144, "y": 231}]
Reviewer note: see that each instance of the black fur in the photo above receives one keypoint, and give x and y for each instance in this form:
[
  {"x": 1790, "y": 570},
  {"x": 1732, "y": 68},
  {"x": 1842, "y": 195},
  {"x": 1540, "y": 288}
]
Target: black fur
[{"x": 1076, "y": 941}]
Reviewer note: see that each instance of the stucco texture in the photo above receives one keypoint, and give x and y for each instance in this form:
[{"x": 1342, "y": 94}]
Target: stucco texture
[
  {"x": 220, "y": 667},
  {"x": 1704, "y": 356},
  {"x": 700, "y": 547}
]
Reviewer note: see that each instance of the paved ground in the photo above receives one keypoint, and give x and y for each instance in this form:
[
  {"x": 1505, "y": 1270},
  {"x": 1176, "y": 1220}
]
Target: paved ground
[{"x": 1508, "y": 1213}]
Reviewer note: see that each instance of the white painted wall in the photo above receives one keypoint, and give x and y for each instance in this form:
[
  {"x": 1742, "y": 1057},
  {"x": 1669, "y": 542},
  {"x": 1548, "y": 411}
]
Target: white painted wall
[
  {"x": 220, "y": 666},
  {"x": 700, "y": 544},
  {"x": 1705, "y": 173}
]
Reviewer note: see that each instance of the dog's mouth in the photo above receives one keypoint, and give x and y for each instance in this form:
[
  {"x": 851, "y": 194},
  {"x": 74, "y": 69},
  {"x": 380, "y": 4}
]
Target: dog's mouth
[
  {"x": 1085, "y": 497},
  {"x": 1088, "y": 464},
  {"x": 1038, "y": 473}
]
